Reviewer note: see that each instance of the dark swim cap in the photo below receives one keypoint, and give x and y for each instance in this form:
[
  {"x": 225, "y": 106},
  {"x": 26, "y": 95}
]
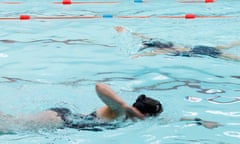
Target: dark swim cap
[
  {"x": 148, "y": 105},
  {"x": 158, "y": 43}
]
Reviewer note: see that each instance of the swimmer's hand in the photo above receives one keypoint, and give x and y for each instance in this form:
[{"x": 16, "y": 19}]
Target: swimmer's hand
[
  {"x": 132, "y": 112},
  {"x": 119, "y": 29},
  {"x": 206, "y": 124},
  {"x": 210, "y": 124}
]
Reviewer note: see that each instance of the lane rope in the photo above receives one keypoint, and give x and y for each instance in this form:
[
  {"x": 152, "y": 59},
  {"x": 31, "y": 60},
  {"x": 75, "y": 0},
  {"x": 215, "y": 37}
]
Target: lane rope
[
  {"x": 196, "y": 1},
  {"x": 69, "y": 2},
  {"x": 108, "y": 16}
]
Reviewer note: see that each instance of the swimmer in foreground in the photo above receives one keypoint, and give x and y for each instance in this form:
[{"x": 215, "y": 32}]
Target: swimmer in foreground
[
  {"x": 115, "y": 109},
  {"x": 166, "y": 47}
]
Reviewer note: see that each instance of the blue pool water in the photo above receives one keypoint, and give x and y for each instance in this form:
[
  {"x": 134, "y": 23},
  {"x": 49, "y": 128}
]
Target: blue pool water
[{"x": 46, "y": 63}]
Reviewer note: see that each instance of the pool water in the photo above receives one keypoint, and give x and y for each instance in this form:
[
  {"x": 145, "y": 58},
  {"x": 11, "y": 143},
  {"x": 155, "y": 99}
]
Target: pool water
[{"x": 46, "y": 63}]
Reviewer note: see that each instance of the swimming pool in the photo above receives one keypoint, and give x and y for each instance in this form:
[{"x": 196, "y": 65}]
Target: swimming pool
[{"x": 55, "y": 62}]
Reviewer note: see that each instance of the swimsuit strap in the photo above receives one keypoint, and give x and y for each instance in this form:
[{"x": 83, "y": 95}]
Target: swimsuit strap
[{"x": 62, "y": 112}]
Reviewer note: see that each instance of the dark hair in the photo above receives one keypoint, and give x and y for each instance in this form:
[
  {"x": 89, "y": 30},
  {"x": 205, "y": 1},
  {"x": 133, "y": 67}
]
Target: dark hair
[{"x": 147, "y": 105}]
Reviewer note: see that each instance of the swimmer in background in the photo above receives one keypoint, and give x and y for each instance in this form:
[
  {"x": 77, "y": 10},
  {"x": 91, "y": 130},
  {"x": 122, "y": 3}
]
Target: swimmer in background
[
  {"x": 166, "y": 47},
  {"x": 115, "y": 109}
]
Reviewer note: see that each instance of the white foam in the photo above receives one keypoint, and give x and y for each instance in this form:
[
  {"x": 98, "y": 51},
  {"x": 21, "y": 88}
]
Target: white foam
[
  {"x": 193, "y": 99},
  {"x": 3, "y": 55},
  {"x": 214, "y": 91},
  {"x": 190, "y": 113},
  {"x": 160, "y": 77},
  {"x": 232, "y": 114},
  {"x": 235, "y": 134}
]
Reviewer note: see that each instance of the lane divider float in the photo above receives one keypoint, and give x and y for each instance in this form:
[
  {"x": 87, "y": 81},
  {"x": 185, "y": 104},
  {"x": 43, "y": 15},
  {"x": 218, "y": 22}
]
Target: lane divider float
[
  {"x": 24, "y": 17},
  {"x": 108, "y": 16},
  {"x": 69, "y": 2},
  {"x": 11, "y": 2},
  {"x": 196, "y": 1},
  {"x": 138, "y": 1}
]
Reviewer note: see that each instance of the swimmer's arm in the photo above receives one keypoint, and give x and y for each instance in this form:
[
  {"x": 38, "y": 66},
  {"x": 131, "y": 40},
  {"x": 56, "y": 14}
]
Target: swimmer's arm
[
  {"x": 122, "y": 29},
  {"x": 109, "y": 97},
  {"x": 152, "y": 53},
  {"x": 206, "y": 124},
  {"x": 144, "y": 54},
  {"x": 140, "y": 35},
  {"x": 114, "y": 102},
  {"x": 229, "y": 56},
  {"x": 231, "y": 45}
]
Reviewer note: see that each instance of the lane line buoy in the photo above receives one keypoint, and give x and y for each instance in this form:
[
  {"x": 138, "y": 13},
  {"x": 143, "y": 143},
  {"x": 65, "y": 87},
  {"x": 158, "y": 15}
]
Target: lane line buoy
[
  {"x": 24, "y": 17},
  {"x": 186, "y": 16},
  {"x": 196, "y": 1}
]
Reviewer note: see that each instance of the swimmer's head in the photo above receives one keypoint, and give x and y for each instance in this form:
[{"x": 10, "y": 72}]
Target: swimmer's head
[
  {"x": 148, "y": 106},
  {"x": 156, "y": 44}
]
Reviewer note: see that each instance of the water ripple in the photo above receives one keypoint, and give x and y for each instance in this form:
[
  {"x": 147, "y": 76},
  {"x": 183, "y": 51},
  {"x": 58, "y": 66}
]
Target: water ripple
[
  {"x": 231, "y": 114},
  {"x": 235, "y": 134},
  {"x": 67, "y": 42}
]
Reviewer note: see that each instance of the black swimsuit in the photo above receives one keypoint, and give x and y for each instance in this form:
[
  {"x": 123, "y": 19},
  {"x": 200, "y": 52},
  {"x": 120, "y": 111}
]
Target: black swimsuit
[
  {"x": 196, "y": 50},
  {"x": 206, "y": 50},
  {"x": 83, "y": 122},
  {"x": 200, "y": 50}
]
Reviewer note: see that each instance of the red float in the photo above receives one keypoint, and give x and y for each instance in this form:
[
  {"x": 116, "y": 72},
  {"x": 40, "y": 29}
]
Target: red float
[
  {"x": 66, "y": 2},
  {"x": 190, "y": 16},
  {"x": 209, "y": 1},
  {"x": 24, "y": 17}
]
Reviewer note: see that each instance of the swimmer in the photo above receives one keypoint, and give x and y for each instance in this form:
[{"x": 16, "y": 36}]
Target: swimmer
[
  {"x": 115, "y": 109},
  {"x": 166, "y": 47}
]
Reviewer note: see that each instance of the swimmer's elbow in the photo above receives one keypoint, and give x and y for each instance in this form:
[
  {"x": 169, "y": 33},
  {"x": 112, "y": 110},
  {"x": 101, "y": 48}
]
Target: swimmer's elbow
[{"x": 100, "y": 86}]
